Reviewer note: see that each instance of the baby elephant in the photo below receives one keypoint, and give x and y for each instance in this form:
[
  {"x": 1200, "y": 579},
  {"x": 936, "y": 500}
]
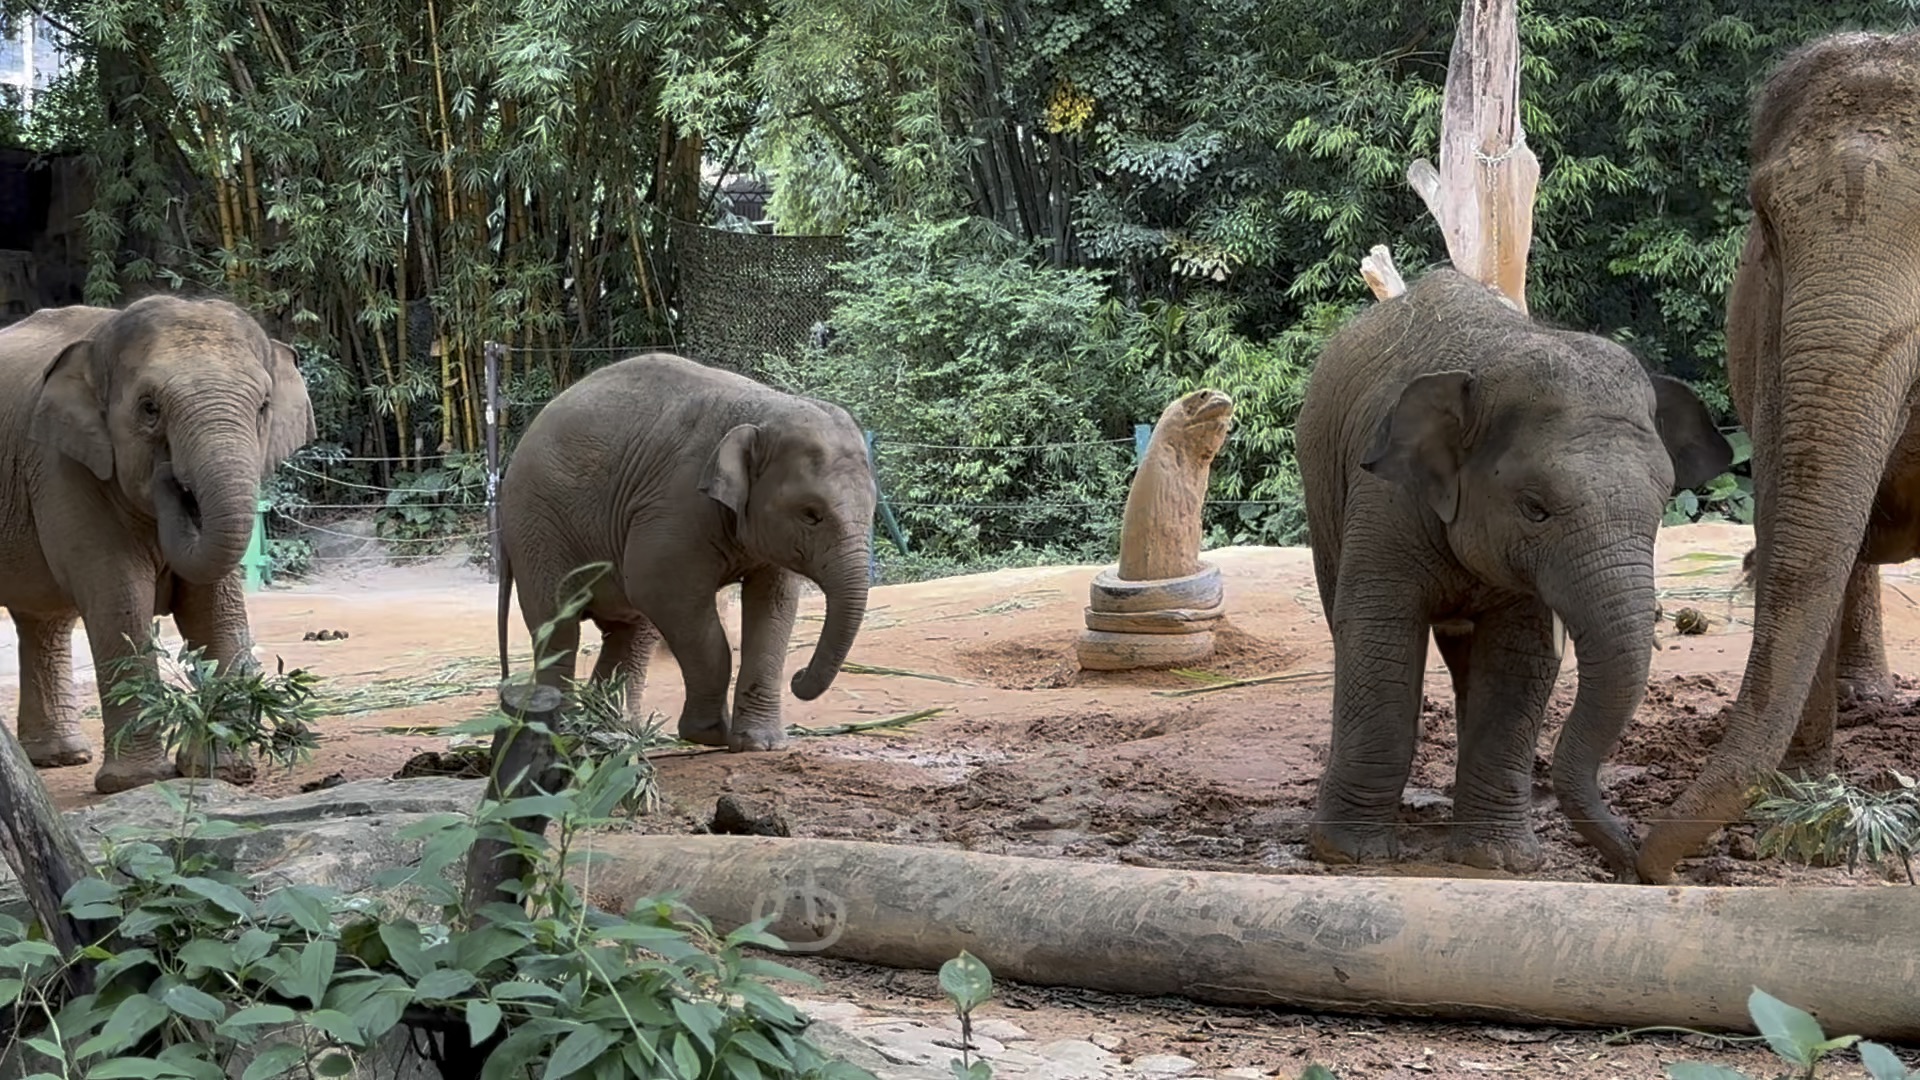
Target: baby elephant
[
  {"x": 687, "y": 479},
  {"x": 1473, "y": 473}
]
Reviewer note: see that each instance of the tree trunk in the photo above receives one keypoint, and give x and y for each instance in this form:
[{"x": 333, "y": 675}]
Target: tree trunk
[
  {"x": 44, "y": 856},
  {"x": 1510, "y": 951},
  {"x": 522, "y": 764}
]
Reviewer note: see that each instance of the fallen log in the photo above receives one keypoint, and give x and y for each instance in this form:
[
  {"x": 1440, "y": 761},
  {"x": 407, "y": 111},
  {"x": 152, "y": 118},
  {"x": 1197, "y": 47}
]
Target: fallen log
[{"x": 1510, "y": 951}]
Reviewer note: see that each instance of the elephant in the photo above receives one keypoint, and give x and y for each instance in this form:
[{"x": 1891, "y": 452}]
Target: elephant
[
  {"x": 1823, "y": 365},
  {"x": 686, "y": 479},
  {"x": 1475, "y": 474},
  {"x": 132, "y": 445}
]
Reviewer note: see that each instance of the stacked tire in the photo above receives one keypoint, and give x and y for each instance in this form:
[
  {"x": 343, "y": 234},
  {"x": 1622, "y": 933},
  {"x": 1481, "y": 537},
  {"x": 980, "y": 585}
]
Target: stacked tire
[{"x": 1164, "y": 623}]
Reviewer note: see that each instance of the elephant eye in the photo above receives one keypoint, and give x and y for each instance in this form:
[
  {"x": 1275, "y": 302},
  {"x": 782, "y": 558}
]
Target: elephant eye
[
  {"x": 149, "y": 408},
  {"x": 812, "y": 515},
  {"x": 263, "y": 408},
  {"x": 1535, "y": 510}
]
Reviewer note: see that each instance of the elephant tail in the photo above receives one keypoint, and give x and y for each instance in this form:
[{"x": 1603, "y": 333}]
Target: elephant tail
[{"x": 506, "y": 594}]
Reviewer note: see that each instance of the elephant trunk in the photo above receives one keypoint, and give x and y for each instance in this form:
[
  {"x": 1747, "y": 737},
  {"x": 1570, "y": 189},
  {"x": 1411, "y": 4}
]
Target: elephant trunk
[
  {"x": 1846, "y": 362},
  {"x": 203, "y": 497},
  {"x": 845, "y": 585},
  {"x": 1608, "y": 606}
]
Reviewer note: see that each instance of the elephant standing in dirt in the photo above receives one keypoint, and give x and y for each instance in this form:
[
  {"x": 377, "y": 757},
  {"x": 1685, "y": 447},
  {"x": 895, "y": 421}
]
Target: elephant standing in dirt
[
  {"x": 1473, "y": 473},
  {"x": 132, "y": 445},
  {"x": 688, "y": 479},
  {"x": 1824, "y": 362}
]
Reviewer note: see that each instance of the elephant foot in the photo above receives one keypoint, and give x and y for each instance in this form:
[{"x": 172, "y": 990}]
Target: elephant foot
[
  {"x": 1871, "y": 687},
  {"x": 1342, "y": 845},
  {"x": 1514, "y": 850},
  {"x": 59, "y": 752},
  {"x": 705, "y": 735},
  {"x": 235, "y": 769},
  {"x": 1803, "y": 764},
  {"x": 125, "y": 774},
  {"x": 757, "y": 737}
]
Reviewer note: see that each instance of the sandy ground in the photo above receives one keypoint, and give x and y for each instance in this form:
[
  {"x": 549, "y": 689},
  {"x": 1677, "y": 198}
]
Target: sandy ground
[{"x": 1031, "y": 756}]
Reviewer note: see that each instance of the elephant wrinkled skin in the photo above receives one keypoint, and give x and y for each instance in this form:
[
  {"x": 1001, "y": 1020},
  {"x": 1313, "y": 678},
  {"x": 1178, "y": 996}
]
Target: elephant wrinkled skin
[
  {"x": 132, "y": 445},
  {"x": 687, "y": 479},
  {"x": 1822, "y": 358},
  {"x": 1471, "y": 473}
]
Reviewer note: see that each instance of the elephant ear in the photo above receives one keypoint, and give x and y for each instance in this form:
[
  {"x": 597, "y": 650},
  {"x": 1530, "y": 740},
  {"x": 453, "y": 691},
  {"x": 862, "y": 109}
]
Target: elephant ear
[
  {"x": 1421, "y": 442},
  {"x": 728, "y": 473},
  {"x": 290, "y": 423},
  {"x": 71, "y": 413},
  {"x": 1698, "y": 450}
]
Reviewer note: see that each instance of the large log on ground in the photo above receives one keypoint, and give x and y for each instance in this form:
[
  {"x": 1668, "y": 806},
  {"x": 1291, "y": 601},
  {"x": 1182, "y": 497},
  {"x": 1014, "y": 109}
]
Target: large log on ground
[{"x": 1527, "y": 951}]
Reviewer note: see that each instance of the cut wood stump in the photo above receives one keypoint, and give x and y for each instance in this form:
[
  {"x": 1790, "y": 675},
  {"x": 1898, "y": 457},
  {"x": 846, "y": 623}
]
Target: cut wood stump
[{"x": 1159, "y": 606}]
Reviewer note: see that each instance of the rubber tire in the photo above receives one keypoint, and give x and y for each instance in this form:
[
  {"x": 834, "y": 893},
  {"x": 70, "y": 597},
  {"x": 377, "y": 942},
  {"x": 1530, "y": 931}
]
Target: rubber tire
[
  {"x": 1196, "y": 592},
  {"x": 1102, "y": 651},
  {"x": 1168, "y": 621}
]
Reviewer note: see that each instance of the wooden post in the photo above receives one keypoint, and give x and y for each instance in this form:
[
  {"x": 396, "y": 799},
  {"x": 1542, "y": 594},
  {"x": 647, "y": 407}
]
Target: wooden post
[
  {"x": 523, "y": 763},
  {"x": 492, "y": 354},
  {"x": 1159, "y": 606},
  {"x": 45, "y": 858}
]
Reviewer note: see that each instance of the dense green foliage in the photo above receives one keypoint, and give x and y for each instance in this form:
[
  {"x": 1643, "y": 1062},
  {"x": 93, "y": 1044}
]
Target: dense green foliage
[{"x": 1063, "y": 210}]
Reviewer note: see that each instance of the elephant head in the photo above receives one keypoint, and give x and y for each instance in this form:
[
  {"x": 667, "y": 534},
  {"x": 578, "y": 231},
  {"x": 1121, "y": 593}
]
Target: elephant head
[
  {"x": 801, "y": 488},
  {"x": 1550, "y": 468},
  {"x": 183, "y": 406}
]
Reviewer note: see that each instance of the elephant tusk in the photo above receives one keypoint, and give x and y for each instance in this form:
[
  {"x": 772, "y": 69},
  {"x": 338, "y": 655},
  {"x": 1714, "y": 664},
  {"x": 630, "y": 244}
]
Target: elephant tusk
[{"x": 1559, "y": 637}]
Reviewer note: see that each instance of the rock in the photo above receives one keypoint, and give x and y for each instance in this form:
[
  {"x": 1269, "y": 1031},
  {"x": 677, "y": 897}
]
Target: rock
[
  {"x": 839, "y": 1044},
  {"x": 1164, "y": 1065},
  {"x": 347, "y": 540},
  {"x": 1105, "y": 1040},
  {"x": 833, "y": 1011},
  {"x": 1080, "y": 1052},
  {"x": 1005, "y": 1031},
  {"x": 738, "y": 815},
  {"x": 340, "y": 837},
  {"x": 1245, "y": 1074}
]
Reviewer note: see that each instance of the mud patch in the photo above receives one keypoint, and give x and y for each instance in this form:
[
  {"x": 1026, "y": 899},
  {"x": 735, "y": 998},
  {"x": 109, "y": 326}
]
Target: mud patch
[{"x": 1048, "y": 662}]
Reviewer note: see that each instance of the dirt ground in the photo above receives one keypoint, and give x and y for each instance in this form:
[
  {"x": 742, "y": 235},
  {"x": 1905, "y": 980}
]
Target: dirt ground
[{"x": 1030, "y": 756}]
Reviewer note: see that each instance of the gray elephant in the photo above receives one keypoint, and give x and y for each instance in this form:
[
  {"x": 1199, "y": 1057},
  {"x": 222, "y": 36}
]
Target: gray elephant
[
  {"x": 1472, "y": 473},
  {"x": 132, "y": 446},
  {"x": 687, "y": 479},
  {"x": 1822, "y": 362}
]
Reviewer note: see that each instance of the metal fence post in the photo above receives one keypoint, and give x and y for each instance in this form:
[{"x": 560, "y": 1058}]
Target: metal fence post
[
  {"x": 256, "y": 560},
  {"x": 886, "y": 515},
  {"x": 492, "y": 353},
  {"x": 1142, "y": 434}
]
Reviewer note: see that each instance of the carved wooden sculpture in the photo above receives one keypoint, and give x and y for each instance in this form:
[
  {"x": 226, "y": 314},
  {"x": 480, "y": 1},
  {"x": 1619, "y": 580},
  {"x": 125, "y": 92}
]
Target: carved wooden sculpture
[{"x": 1159, "y": 606}]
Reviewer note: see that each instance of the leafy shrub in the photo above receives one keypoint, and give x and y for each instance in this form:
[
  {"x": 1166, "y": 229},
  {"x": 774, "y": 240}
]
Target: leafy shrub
[
  {"x": 432, "y": 504},
  {"x": 1796, "y": 1037},
  {"x": 1829, "y": 820},
  {"x": 188, "y": 701},
  {"x": 1729, "y": 495},
  {"x": 1006, "y": 425},
  {"x": 200, "y": 971}
]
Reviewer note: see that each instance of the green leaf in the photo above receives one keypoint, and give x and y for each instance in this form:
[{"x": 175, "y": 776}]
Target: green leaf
[
  {"x": 519, "y": 990},
  {"x": 335, "y": 1023},
  {"x": 404, "y": 943},
  {"x": 382, "y": 1010},
  {"x": 510, "y": 1059},
  {"x": 10, "y": 991},
  {"x": 1791, "y": 1032},
  {"x": 1881, "y": 1063},
  {"x": 477, "y": 950},
  {"x": 1696, "y": 1070},
  {"x": 577, "y": 1051},
  {"x": 966, "y": 981},
  {"x": 209, "y": 953},
  {"x": 685, "y": 1057},
  {"x": 128, "y": 1068},
  {"x": 240, "y": 1023},
  {"x": 444, "y": 983},
  {"x": 1317, "y": 1072},
  {"x": 315, "y": 970},
  {"x": 93, "y": 898},
  {"x": 276, "y": 1060},
  {"x": 226, "y": 897},
  {"x": 302, "y": 906},
  {"x": 335, "y": 1065},
  {"x": 131, "y": 1019},
  {"x": 483, "y": 1019},
  {"x": 194, "y": 1003},
  {"x": 253, "y": 946},
  {"x": 700, "y": 1019}
]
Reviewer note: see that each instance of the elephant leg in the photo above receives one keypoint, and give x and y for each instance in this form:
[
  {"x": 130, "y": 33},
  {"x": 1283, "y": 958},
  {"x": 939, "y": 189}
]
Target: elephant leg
[
  {"x": 214, "y": 618},
  {"x": 119, "y": 618},
  {"x": 1862, "y": 673},
  {"x": 626, "y": 650},
  {"x": 768, "y": 602},
  {"x": 49, "y": 708},
  {"x": 690, "y": 624},
  {"x": 1810, "y": 754},
  {"x": 1380, "y": 658},
  {"x": 1513, "y": 667}
]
